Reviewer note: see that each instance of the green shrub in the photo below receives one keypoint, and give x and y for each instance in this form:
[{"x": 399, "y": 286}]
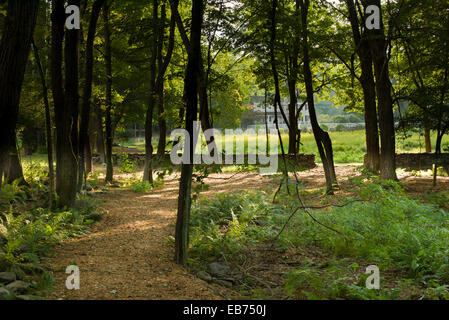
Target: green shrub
[
  {"x": 138, "y": 185},
  {"x": 390, "y": 229},
  {"x": 126, "y": 165}
]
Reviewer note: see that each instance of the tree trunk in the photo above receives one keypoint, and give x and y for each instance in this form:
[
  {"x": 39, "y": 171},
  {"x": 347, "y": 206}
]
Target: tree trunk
[
  {"x": 51, "y": 173},
  {"x": 67, "y": 116},
  {"x": 293, "y": 132},
  {"x": 191, "y": 90},
  {"x": 14, "y": 167},
  {"x": 277, "y": 95},
  {"x": 14, "y": 51},
  {"x": 148, "y": 170},
  {"x": 322, "y": 138},
  {"x": 99, "y": 141},
  {"x": 108, "y": 123},
  {"x": 293, "y": 141},
  {"x": 202, "y": 81},
  {"x": 160, "y": 87},
  {"x": 378, "y": 46},
  {"x": 369, "y": 90},
  {"x": 427, "y": 139},
  {"x": 85, "y": 108}
]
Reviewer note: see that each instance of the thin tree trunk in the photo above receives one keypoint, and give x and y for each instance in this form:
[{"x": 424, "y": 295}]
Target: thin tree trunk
[
  {"x": 160, "y": 86},
  {"x": 51, "y": 173},
  {"x": 85, "y": 108},
  {"x": 99, "y": 141},
  {"x": 293, "y": 132},
  {"x": 203, "y": 81},
  {"x": 148, "y": 170},
  {"x": 322, "y": 138},
  {"x": 14, "y": 51},
  {"x": 277, "y": 95},
  {"x": 427, "y": 139},
  {"x": 267, "y": 146},
  {"x": 191, "y": 90},
  {"x": 293, "y": 145},
  {"x": 162, "y": 68},
  {"x": 108, "y": 123}
]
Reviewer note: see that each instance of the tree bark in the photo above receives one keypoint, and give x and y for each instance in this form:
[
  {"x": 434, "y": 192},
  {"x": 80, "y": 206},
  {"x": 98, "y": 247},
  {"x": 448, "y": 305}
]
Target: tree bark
[
  {"x": 293, "y": 132},
  {"x": 84, "y": 145},
  {"x": 162, "y": 68},
  {"x": 51, "y": 173},
  {"x": 14, "y": 51},
  {"x": 160, "y": 86},
  {"x": 108, "y": 122},
  {"x": 99, "y": 138},
  {"x": 427, "y": 139},
  {"x": 191, "y": 90},
  {"x": 202, "y": 79},
  {"x": 322, "y": 138},
  {"x": 369, "y": 90},
  {"x": 293, "y": 138},
  {"x": 378, "y": 46},
  {"x": 148, "y": 170}
]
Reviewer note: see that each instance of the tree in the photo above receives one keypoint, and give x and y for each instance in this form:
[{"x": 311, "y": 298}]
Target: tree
[
  {"x": 65, "y": 98},
  {"x": 48, "y": 126},
  {"x": 191, "y": 92},
  {"x": 322, "y": 138},
  {"x": 366, "y": 80},
  {"x": 148, "y": 171},
  {"x": 14, "y": 51},
  {"x": 379, "y": 52},
  {"x": 108, "y": 124},
  {"x": 84, "y": 144},
  {"x": 162, "y": 65}
]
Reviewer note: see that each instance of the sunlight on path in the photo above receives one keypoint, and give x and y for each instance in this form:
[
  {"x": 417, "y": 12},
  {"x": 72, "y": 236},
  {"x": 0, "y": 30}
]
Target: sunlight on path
[{"x": 127, "y": 255}]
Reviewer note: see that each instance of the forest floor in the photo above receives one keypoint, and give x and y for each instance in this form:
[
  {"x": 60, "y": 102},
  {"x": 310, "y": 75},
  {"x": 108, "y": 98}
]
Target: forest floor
[{"x": 128, "y": 255}]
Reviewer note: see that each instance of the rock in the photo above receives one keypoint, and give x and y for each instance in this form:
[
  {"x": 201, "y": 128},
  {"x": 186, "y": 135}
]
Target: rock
[
  {"x": 7, "y": 277},
  {"x": 87, "y": 187},
  {"x": 224, "y": 283},
  {"x": 18, "y": 286},
  {"x": 219, "y": 269},
  {"x": 203, "y": 275},
  {"x": 28, "y": 297},
  {"x": 3, "y": 292}
]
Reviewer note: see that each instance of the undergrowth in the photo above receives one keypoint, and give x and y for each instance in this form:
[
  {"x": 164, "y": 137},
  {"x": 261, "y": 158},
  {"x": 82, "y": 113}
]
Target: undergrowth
[
  {"x": 28, "y": 230},
  {"x": 403, "y": 236}
]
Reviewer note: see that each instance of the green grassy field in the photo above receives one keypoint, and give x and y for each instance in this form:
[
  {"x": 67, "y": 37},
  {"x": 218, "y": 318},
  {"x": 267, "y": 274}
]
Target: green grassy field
[{"x": 349, "y": 146}]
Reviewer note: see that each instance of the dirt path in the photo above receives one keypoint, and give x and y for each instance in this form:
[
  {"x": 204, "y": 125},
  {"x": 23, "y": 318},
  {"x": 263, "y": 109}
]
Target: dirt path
[{"x": 127, "y": 256}]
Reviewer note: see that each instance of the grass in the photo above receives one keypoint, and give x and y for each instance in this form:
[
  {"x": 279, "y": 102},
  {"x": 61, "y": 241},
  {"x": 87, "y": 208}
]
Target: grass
[{"x": 349, "y": 146}]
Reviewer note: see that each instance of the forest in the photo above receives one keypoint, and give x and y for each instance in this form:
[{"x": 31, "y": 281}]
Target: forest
[{"x": 224, "y": 150}]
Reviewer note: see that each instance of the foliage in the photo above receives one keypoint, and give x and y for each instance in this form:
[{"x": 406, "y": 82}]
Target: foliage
[
  {"x": 126, "y": 164},
  {"x": 387, "y": 228},
  {"x": 137, "y": 185}
]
